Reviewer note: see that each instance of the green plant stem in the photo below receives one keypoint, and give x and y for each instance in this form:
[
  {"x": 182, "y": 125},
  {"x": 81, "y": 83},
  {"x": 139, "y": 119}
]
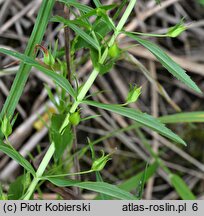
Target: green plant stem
[
  {"x": 150, "y": 35},
  {"x": 95, "y": 72},
  {"x": 125, "y": 16},
  {"x": 68, "y": 174},
  {"x": 40, "y": 171},
  {"x": 80, "y": 97}
]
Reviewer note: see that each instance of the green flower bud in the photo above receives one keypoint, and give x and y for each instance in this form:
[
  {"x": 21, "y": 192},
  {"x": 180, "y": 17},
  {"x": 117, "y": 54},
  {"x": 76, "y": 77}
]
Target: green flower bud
[
  {"x": 75, "y": 118},
  {"x": 100, "y": 163},
  {"x": 133, "y": 94},
  {"x": 176, "y": 30},
  {"x": 6, "y": 126},
  {"x": 49, "y": 59},
  {"x": 114, "y": 51}
]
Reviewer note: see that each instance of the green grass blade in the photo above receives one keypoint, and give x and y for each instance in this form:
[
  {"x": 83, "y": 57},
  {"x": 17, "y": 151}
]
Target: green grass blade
[
  {"x": 23, "y": 73},
  {"x": 60, "y": 80},
  {"x": 12, "y": 153},
  {"x": 181, "y": 187},
  {"x": 100, "y": 187},
  {"x": 167, "y": 62},
  {"x": 134, "y": 181},
  {"x": 142, "y": 118},
  {"x": 77, "y": 30},
  {"x": 187, "y": 117}
]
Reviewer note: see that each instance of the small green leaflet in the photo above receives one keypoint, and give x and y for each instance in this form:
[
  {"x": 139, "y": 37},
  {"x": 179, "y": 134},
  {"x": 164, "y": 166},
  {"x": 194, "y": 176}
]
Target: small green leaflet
[
  {"x": 181, "y": 187},
  {"x": 19, "y": 186},
  {"x": 183, "y": 117},
  {"x": 102, "y": 68},
  {"x": 61, "y": 141},
  {"x": 166, "y": 61},
  {"x": 100, "y": 187},
  {"x": 56, "y": 77},
  {"x": 142, "y": 118},
  {"x": 12, "y": 153}
]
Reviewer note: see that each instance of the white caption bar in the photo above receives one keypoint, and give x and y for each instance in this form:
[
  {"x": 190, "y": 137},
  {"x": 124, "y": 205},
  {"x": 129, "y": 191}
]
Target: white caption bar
[{"x": 102, "y": 208}]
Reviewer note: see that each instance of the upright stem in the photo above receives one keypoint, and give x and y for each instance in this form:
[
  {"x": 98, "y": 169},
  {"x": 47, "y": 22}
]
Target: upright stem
[
  {"x": 80, "y": 97},
  {"x": 125, "y": 16},
  {"x": 40, "y": 171}
]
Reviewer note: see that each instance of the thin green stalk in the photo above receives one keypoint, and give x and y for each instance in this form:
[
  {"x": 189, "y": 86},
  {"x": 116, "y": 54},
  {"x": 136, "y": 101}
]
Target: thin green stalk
[
  {"x": 125, "y": 16},
  {"x": 81, "y": 95},
  {"x": 95, "y": 72},
  {"x": 150, "y": 34},
  {"x": 40, "y": 171},
  {"x": 24, "y": 70},
  {"x": 68, "y": 174},
  {"x": 82, "y": 151}
]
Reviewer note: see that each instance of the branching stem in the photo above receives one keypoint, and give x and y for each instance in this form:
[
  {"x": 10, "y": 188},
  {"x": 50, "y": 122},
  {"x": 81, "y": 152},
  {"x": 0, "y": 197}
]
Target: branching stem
[{"x": 80, "y": 97}]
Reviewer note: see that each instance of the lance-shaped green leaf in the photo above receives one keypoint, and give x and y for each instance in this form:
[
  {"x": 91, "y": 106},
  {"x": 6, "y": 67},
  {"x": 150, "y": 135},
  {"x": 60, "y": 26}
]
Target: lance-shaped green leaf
[
  {"x": 100, "y": 187},
  {"x": 181, "y": 187},
  {"x": 60, "y": 80},
  {"x": 183, "y": 117},
  {"x": 166, "y": 61},
  {"x": 142, "y": 118},
  {"x": 12, "y": 153}
]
